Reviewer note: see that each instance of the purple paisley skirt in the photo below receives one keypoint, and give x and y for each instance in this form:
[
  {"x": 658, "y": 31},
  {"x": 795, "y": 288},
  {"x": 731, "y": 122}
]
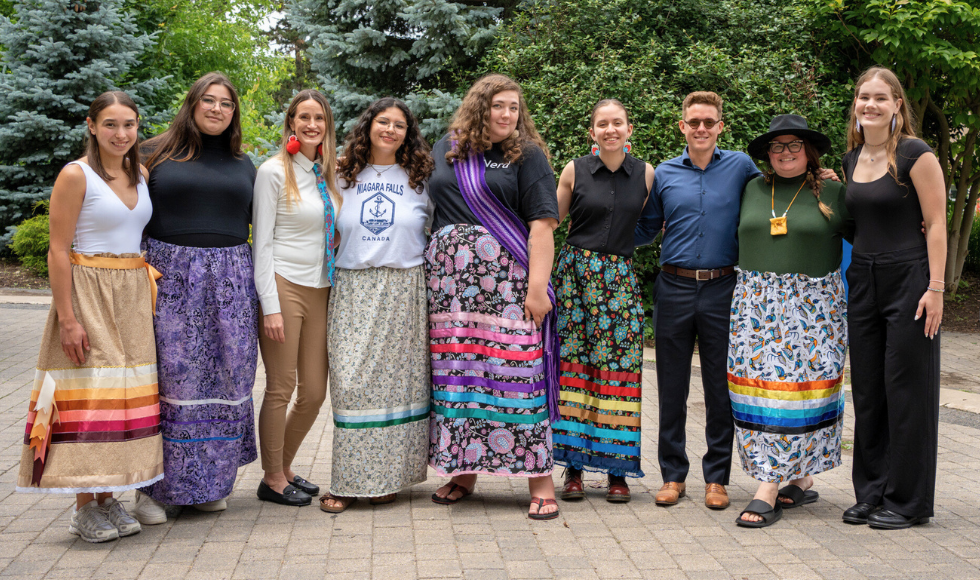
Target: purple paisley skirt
[{"x": 207, "y": 348}]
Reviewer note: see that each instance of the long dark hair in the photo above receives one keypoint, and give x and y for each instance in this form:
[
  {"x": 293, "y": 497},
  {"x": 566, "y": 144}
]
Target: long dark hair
[
  {"x": 131, "y": 161},
  {"x": 413, "y": 155},
  {"x": 183, "y": 137},
  {"x": 812, "y": 175}
]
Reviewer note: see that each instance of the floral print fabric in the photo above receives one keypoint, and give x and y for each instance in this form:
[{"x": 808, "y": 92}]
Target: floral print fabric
[
  {"x": 788, "y": 341},
  {"x": 489, "y": 403},
  {"x": 600, "y": 322},
  {"x": 207, "y": 350},
  {"x": 380, "y": 385}
]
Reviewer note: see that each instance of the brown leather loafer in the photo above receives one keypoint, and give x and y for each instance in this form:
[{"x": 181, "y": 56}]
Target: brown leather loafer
[
  {"x": 715, "y": 496},
  {"x": 573, "y": 488},
  {"x": 670, "y": 493},
  {"x": 619, "y": 490}
]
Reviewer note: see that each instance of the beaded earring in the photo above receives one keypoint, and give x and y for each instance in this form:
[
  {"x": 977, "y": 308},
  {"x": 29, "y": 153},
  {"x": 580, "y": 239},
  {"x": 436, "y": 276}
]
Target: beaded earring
[
  {"x": 857, "y": 125},
  {"x": 893, "y": 123},
  {"x": 595, "y": 148},
  {"x": 628, "y": 147}
]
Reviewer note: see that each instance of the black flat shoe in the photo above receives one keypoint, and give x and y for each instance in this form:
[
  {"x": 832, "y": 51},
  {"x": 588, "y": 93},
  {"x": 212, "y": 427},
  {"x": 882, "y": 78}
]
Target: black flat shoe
[
  {"x": 289, "y": 496},
  {"x": 889, "y": 520},
  {"x": 859, "y": 512},
  {"x": 305, "y": 486}
]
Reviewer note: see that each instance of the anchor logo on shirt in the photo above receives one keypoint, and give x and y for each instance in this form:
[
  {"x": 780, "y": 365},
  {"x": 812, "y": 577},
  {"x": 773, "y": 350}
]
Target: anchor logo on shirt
[{"x": 373, "y": 212}]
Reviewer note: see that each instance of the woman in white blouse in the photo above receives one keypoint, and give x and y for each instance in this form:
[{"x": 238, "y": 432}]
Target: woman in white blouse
[
  {"x": 380, "y": 387},
  {"x": 293, "y": 212}
]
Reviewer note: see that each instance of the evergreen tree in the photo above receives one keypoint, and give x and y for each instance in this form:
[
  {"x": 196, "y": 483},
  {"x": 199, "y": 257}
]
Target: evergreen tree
[
  {"x": 416, "y": 50},
  {"x": 59, "y": 55}
]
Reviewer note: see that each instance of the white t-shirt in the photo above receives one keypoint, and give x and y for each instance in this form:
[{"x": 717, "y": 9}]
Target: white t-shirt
[{"x": 382, "y": 220}]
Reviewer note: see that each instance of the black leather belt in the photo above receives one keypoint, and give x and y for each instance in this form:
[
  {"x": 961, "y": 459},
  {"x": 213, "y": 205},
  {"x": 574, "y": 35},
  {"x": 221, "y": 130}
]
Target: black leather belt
[{"x": 700, "y": 275}]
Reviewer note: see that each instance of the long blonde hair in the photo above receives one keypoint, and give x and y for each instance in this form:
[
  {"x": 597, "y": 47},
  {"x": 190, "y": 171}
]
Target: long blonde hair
[
  {"x": 904, "y": 119},
  {"x": 328, "y": 158}
]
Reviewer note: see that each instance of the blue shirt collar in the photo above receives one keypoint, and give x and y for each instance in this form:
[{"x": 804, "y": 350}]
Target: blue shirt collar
[{"x": 686, "y": 159}]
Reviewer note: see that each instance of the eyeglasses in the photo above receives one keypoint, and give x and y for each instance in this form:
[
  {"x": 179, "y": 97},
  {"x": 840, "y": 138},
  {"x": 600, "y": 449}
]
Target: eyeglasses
[
  {"x": 695, "y": 123},
  {"x": 793, "y": 146},
  {"x": 393, "y": 125},
  {"x": 212, "y": 103}
]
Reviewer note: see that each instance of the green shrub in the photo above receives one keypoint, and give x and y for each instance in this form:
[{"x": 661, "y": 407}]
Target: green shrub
[
  {"x": 973, "y": 249},
  {"x": 31, "y": 241}
]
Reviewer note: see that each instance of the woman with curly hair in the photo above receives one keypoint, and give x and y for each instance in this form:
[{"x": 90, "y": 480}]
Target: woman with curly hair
[
  {"x": 293, "y": 240},
  {"x": 493, "y": 342},
  {"x": 379, "y": 388}
]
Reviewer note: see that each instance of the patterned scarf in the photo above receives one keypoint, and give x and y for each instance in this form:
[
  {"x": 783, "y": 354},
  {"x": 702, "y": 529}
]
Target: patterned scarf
[
  {"x": 328, "y": 219},
  {"x": 511, "y": 232}
]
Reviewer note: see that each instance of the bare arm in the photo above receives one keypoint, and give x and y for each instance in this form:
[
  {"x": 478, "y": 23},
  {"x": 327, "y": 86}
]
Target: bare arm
[
  {"x": 66, "y": 203},
  {"x": 927, "y": 177},
  {"x": 648, "y": 177},
  {"x": 541, "y": 255},
  {"x": 566, "y": 183}
]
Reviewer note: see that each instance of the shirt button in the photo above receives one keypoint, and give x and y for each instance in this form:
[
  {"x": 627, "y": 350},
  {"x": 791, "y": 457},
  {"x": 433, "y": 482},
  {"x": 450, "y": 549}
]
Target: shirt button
[
  {"x": 699, "y": 255},
  {"x": 700, "y": 235},
  {"x": 702, "y": 193},
  {"x": 702, "y": 213}
]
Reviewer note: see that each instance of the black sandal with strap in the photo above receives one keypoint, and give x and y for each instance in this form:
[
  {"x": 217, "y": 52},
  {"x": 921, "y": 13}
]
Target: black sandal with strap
[
  {"x": 769, "y": 514},
  {"x": 541, "y": 502},
  {"x": 453, "y": 486},
  {"x": 797, "y": 496}
]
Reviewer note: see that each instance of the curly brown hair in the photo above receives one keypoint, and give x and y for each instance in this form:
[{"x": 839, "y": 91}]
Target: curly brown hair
[
  {"x": 413, "y": 155},
  {"x": 470, "y": 126}
]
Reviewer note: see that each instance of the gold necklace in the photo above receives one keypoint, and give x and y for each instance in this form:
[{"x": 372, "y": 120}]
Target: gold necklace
[{"x": 777, "y": 225}]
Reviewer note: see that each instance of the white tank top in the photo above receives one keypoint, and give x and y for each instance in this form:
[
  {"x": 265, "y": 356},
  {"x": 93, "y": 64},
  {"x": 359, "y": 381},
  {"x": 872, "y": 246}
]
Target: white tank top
[{"x": 105, "y": 224}]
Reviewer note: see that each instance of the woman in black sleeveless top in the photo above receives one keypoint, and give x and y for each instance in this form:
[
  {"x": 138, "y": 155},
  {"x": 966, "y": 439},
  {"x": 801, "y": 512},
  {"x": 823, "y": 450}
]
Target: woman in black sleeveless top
[
  {"x": 894, "y": 184},
  {"x": 600, "y": 317}
]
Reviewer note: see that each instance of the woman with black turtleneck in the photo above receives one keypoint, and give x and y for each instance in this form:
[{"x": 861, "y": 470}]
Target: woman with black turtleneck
[{"x": 207, "y": 308}]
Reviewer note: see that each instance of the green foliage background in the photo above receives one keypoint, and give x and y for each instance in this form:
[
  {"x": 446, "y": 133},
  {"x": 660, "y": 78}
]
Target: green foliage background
[{"x": 759, "y": 55}]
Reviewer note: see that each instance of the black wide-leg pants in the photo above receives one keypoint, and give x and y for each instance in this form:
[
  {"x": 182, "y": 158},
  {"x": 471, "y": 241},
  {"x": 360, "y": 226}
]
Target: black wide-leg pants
[
  {"x": 895, "y": 382},
  {"x": 687, "y": 310}
]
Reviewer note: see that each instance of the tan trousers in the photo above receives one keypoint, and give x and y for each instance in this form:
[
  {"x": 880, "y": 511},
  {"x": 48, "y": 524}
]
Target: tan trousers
[{"x": 298, "y": 364}]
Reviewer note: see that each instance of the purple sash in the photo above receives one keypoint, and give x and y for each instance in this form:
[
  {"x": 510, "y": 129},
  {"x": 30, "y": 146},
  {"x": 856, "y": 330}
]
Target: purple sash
[{"x": 511, "y": 232}]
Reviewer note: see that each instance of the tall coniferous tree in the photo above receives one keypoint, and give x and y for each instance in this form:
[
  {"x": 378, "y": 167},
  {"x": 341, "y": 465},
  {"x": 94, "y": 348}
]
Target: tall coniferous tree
[
  {"x": 416, "y": 50},
  {"x": 59, "y": 55}
]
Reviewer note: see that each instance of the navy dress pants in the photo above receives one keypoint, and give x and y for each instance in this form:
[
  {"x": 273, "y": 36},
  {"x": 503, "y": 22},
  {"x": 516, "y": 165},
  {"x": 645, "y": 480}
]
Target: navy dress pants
[
  {"x": 689, "y": 310},
  {"x": 895, "y": 382}
]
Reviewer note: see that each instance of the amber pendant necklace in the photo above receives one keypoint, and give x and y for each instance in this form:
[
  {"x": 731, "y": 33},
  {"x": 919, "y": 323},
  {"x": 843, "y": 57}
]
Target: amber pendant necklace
[{"x": 777, "y": 225}]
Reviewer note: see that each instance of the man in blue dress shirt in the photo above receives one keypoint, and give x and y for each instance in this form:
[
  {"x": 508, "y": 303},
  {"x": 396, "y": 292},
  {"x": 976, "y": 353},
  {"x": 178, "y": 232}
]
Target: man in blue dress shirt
[{"x": 697, "y": 196}]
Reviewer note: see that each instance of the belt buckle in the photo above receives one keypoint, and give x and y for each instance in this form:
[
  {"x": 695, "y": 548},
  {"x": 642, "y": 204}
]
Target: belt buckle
[{"x": 707, "y": 273}]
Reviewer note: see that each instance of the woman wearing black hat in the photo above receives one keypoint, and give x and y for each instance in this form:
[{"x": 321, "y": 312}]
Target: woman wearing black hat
[{"x": 788, "y": 327}]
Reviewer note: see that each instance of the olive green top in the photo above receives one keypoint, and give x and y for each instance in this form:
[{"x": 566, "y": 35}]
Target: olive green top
[{"x": 812, "y": 244}]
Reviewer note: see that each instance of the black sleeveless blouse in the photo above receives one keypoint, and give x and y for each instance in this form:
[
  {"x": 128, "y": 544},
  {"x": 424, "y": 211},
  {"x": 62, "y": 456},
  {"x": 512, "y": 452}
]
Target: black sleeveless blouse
[{"x": 606, "y": 205}]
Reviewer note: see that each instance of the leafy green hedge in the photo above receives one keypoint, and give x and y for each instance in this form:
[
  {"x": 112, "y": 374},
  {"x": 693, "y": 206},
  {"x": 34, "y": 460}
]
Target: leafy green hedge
[
  {"x": 759, "y": 55},
  {"x": 32, "y": 239},
  {"x": 973, "y": 250}
]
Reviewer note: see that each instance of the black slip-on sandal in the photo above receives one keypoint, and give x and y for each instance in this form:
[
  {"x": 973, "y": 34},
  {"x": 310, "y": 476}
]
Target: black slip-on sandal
[
  {"x": 769, "y": 514},
  {"x": 453, "y": 486},
  {"x": 797, "y": 496},
  {"x": 541, "y": 502}
]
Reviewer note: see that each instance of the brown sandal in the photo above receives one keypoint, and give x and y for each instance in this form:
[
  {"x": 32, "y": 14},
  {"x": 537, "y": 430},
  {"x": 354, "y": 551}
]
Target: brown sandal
[
  {"x": 344, "y": 503},
  {"x": 541, "y": 502},
  {"x": 381, "y": 500},
  {"x": 453, "y": 486}
]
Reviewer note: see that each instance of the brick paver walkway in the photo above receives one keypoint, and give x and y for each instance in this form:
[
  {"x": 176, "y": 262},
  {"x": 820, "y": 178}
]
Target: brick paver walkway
[{"x": 487, "y": 535}]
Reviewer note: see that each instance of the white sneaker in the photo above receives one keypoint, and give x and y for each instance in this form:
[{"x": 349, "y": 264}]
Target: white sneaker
[
  {"x": 148, "y": 510},
  {"x": 91, "y": 524},
  {"x": 218, "y": 505},
  {"x": 120, "y": 518}
]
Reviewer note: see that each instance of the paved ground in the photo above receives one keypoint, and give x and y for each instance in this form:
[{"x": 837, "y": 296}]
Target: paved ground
[{"x": 488, "y": 535}]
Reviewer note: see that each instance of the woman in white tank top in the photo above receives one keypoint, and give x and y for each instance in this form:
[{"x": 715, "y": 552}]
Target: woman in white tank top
[{"x": 93, "y": 424}]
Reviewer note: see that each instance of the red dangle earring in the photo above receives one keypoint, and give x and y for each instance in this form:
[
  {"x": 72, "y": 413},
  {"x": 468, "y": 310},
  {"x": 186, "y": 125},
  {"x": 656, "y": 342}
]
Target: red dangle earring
[
  {"x": 292, "y": 145},
  {"x": 319, "y": 149}
]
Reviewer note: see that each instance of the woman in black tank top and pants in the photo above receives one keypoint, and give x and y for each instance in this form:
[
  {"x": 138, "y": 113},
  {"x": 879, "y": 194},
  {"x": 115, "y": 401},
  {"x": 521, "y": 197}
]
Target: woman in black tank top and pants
[
  {"x": 894, "y": 184},
  {"x": 600, "y": 316}
]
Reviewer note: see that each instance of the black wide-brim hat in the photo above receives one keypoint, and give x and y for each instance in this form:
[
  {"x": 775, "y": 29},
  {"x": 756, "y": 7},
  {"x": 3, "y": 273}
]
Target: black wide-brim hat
[{"x": 788, "y": 125}]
